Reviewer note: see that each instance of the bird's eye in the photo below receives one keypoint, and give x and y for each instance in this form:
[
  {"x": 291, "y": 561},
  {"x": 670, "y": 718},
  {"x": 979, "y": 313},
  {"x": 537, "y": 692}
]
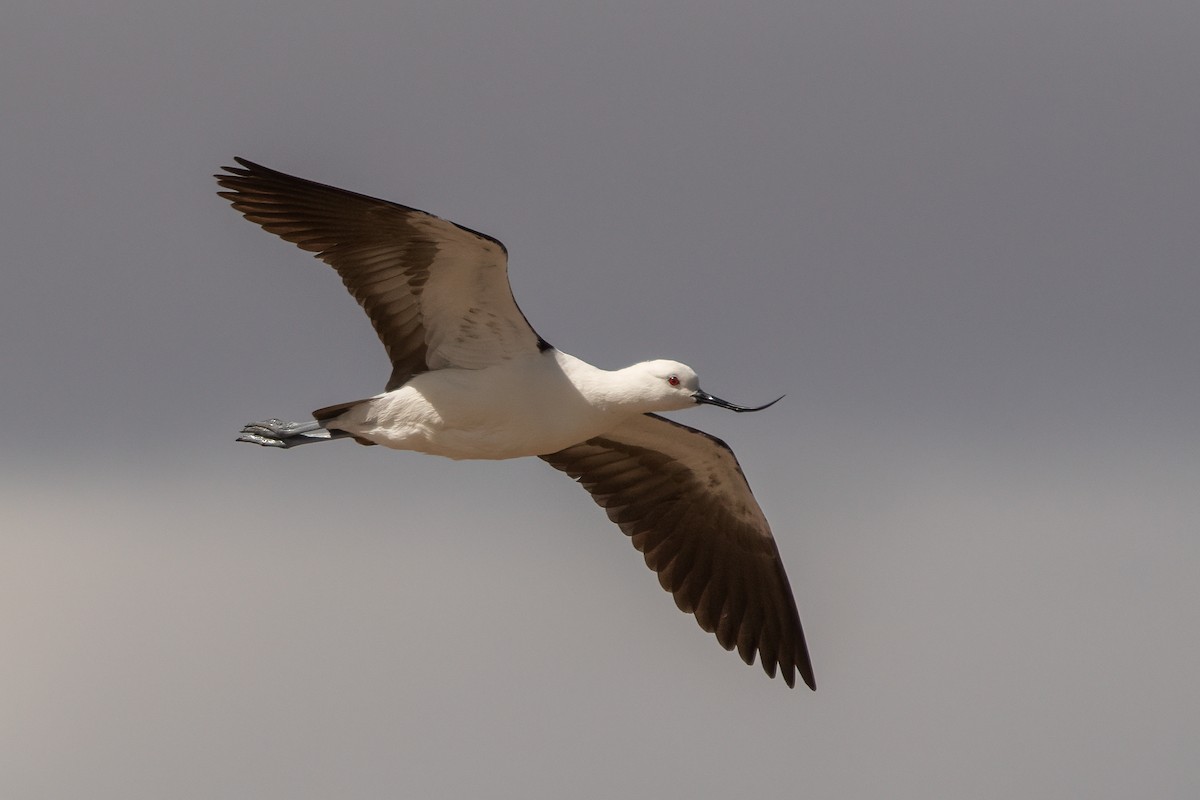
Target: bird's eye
[{"x": 673, "y": 380}]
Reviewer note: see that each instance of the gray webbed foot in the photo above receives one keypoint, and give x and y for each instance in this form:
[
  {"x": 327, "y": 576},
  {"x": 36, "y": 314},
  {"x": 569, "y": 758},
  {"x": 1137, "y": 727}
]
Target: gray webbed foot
[
  {"x": 277, "y": 433},
  {"x": 279, "y": 429},
  {"x": 265, "y": 441}
]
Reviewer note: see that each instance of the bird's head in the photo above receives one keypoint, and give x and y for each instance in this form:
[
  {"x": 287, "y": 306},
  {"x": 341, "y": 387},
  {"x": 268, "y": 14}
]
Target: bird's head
[{"x": 669, "y": 386}]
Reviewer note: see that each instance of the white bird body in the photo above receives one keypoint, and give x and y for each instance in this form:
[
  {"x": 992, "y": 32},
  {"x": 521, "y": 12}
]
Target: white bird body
[
  {"x": 531, "y": 405},
  {"x": 472, "y": 379}
]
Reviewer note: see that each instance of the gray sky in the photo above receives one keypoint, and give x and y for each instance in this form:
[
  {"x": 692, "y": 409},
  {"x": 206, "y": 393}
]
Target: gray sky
[{"x": 961, "y": 236}]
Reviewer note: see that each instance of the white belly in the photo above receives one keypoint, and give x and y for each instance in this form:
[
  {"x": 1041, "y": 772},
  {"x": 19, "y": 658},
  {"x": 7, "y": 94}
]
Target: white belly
[{"x": 518, "y": 409}]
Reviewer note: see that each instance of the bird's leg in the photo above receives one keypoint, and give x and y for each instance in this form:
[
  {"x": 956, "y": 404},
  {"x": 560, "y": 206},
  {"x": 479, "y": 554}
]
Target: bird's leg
[{"x": 277, "y": 433}]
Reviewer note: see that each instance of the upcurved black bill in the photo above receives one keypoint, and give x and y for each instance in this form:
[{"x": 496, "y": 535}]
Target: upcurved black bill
[{"x": 705, "y": 397}]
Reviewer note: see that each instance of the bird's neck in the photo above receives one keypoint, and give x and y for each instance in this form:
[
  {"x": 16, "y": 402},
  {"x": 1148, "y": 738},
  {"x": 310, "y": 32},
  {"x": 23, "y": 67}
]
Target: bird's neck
[{"x": 605, "y": 390}]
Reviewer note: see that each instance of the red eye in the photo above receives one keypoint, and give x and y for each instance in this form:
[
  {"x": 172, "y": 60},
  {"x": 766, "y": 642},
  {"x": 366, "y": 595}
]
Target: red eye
[{"x": 673, "y": 380}]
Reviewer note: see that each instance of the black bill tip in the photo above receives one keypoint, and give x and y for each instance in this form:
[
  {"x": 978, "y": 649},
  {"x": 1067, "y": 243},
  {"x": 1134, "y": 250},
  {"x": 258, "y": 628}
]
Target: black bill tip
[{"x": 705, "y": 397}]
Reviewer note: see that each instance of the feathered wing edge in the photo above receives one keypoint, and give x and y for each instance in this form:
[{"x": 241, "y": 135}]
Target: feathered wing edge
[
  {"x": 397, "y": 262},
  {"x": 701, "y": 531}
]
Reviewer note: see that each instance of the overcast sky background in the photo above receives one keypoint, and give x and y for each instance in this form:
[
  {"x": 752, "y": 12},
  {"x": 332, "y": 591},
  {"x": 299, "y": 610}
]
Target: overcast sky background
[{"x": 962, "y": 237}]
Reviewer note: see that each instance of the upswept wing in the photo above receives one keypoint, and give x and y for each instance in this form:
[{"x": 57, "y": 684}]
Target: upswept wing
[
  {"x": 437, "y": 293},
  {"x": 680, "y": 495}
]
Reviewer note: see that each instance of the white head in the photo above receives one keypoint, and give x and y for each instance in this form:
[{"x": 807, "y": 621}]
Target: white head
[
  {"x": 662, "y": 385},
  {"x": 668, "y": 386}
]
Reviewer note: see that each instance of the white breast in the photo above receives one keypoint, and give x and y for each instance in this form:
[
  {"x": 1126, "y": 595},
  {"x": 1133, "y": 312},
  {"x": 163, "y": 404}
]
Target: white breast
[{"x": 526, "y": 407}]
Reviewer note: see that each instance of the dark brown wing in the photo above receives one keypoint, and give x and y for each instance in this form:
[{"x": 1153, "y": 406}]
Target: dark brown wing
[
  {"x": 680, "y": 495},
  {"x": 437, "y": 293}
]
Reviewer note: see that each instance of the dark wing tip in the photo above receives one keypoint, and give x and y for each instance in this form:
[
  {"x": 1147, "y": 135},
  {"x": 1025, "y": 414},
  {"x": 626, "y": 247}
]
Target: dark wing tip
[
  {"x": 805, "y": 668},
  {"x": 802, "y": 665},
  {"x": 251, "y": 175},
  {"x": 247, "y": 169}
]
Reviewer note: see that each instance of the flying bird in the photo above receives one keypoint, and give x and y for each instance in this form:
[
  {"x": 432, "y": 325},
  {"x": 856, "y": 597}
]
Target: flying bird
[{"x": 472, "y": 379}]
